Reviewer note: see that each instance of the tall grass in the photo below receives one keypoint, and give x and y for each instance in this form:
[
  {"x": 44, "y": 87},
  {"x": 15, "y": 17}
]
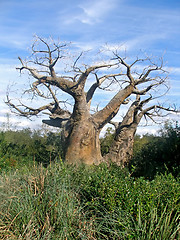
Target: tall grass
[{"x": 98, "y": 202}]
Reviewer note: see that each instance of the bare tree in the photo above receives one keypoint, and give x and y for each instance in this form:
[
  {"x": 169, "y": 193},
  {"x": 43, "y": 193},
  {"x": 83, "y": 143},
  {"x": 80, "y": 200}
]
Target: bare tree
[
  {"x": 121, "y": 150},
  {"x": 81, "y": 126}
]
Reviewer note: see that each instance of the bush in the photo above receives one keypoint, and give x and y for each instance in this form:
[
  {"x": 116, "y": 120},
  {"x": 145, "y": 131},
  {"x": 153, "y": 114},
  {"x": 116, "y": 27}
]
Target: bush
[
  {"x": 87, "y": 202},
  {"x": 40, "y": 205},
  {"x": 157, "y": 154},
  {"x": 18, "y": 148}
]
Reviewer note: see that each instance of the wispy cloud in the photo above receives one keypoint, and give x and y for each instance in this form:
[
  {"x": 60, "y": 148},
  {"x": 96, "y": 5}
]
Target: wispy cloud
[
  {"x": 14, "y": 40},
  {"x": 92, "y": 11},
  {"x": 173, "y": 70}
]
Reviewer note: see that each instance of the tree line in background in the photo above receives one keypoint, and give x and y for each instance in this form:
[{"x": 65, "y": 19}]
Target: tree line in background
[
  {"x": 29, "y": 147},
  {"x": 152, "y": 154}
]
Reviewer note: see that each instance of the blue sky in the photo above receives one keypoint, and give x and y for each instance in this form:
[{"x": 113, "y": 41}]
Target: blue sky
[{"x": 151, "y": 26}]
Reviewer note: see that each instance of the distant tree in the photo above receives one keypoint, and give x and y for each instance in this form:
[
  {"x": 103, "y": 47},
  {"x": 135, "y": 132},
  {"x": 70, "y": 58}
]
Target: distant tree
[{"x": 80, "y": 126}]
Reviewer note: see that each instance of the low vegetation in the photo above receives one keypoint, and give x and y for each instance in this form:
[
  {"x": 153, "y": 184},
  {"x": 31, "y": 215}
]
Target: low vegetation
[
  {"x": 97, "y": 202},
  {"x": 43, "y": 198}
]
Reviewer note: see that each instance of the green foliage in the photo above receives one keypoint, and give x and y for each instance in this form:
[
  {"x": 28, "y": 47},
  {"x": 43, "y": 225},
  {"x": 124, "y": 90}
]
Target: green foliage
[
  {"x": 107, "y": 140},
  {"x": 38, "y": 205},
  {"x": 87, "y": 202},
  {"x": 157, "y": 154},
  {"x": 26, "y": 147}
]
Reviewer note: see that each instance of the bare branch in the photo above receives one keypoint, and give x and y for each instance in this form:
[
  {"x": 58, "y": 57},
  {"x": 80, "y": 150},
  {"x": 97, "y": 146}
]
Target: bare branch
[
  {"x": 144, "y": 91},
  {"x": 99, "y": 82},
  {"x": 128, "y": 67},
  {"x": 28, "y": 111},
  {"x": 110, "y": 110},
  {"x": 62, "y": 82},
  {"x": 75, "y": 62},
  {"x": 144, "y": 76},
  {"x": 83, "y": 77},
  {"x": 115, "y": 124}
]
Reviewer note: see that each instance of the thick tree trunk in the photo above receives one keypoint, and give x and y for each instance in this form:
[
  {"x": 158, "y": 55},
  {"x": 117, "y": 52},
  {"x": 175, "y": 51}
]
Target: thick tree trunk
[
  {"x": 83, "y": 145},
  {"x": 121, "y": 150}
]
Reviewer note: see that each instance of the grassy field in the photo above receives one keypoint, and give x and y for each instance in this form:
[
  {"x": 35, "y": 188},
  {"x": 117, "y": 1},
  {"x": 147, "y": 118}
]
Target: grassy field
[{"x": 97, "y": 202}]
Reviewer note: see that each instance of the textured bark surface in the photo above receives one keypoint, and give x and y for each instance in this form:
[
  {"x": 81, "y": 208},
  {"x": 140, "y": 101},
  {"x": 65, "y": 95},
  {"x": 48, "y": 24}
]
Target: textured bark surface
[
  {"x": 121, "y": 150},
  {"x": 122, "y": 147},
  {"x": 83, "y": 144}
]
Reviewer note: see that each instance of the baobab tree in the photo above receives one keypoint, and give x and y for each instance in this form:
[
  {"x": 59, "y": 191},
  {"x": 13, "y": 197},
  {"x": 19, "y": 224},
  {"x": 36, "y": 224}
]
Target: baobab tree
[
  {"x": 81, "y": 126},
  {"x": 121, "y": 150}
]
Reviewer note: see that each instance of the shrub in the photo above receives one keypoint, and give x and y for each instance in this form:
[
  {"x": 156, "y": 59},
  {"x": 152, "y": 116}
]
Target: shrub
[
  {"x": 157, "y": 154},
  {"x": 87, "y": 202}
]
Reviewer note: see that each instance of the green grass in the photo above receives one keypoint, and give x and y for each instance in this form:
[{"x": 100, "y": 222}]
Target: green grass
[{"x": 96, "y": 202}]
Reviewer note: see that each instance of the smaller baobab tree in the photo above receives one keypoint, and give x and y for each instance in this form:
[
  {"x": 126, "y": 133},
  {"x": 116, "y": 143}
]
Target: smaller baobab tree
[
  {"x": 81, "y": 127},
  {"x": 121, "y": 150}
]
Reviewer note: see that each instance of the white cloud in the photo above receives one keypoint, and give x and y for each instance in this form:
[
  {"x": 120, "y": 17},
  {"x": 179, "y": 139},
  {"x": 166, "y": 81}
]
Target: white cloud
[
  {"x": 173, "y": 70},
  {"x": 92, "y": 12},
  {"x": 15, "y": 37},
  {"x": 113, "y": 47},
  {"x": 148, "y": 130},
  {"x": 16, "y": 123},
  {"x": 141, "y": 42},
  {"x": 86, "y": 46},
  {"x": 8, "y": 75}
]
